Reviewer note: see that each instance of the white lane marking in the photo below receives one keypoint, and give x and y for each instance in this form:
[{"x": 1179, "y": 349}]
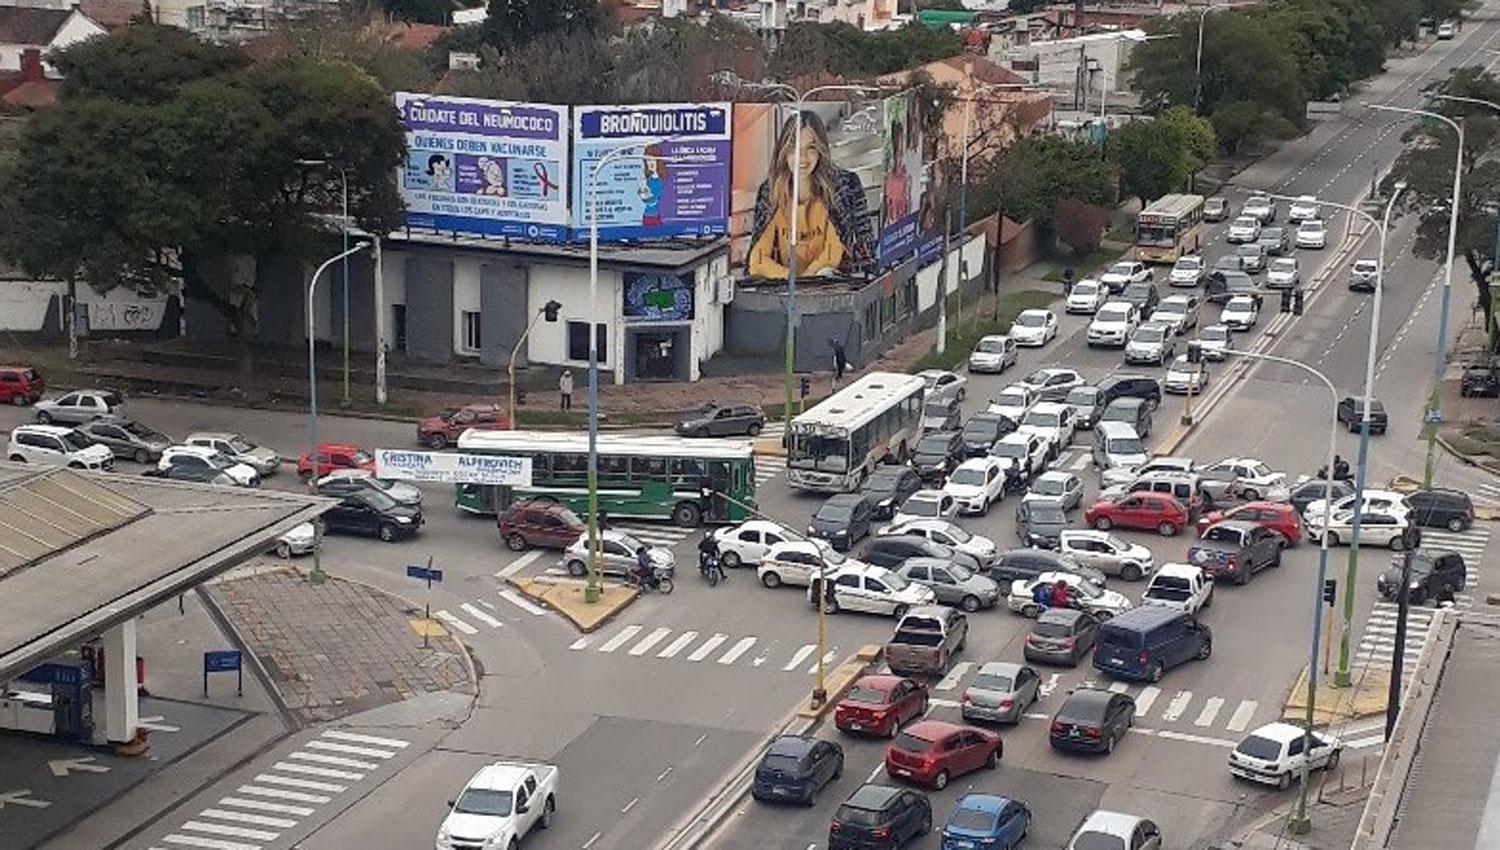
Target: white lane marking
[
  {"x": 800, "y": 656},
  {"x": 348, "y": 749},
  {"x": 939, "y": 702},
  {"x": 519, "y": 564},
  {"x": 1118, "y": 687},
  {"x": 474, "y": 611},
  {"x": 253, "y": 820},
  {"x": 1051, "y": 684},
  {"x": 592, "y": 839},
  {"x": 1177, "y": 706},
  {"x": 1361, "y": 743},
  {"x": 261, "y": 806},
  {"x": 874, "y": 774},
  {"x": 273, "y": 779},
  {"x": 278, "y": 794},
  {"x": 644, "y": 645},
  {"x": 230, "y": 831},
  {"x": 950, "y": 681},
  {"x": 337, "y": 761},
  {"x": 581, "y": 642},
  {"x": 522, "y": 602},
  {"x": 1080, "y": 463},
  {"x": 208, "y": 843},
  {"x": 620, "y": 638},
  {"x": 454, "y": 622},
  {"x": 630, "y": 805},
  {"x": 155, "y": 724},
  {"x": 1192, "y": 739},
  {"x": 1209, "y": 712},
  {"x": 1240, "y": 720},
  {"x": 827, "y": 660},
  {"x": 664, "y": 774},
  {"x": 737, "y": 650},
  {"x": 326, "y": 772},
  {"x": 1147, "y": 697},
  {"x": 678, "y": 645},
  {"x": 708, "y": 646},
  {"x": 372, "y": 740}
]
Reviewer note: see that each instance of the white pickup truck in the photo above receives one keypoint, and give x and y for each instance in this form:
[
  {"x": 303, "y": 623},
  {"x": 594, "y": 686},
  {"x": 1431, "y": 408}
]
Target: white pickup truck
[
  {"x": 1181, "y": 587},
  {"x": 500, "y": 806}
]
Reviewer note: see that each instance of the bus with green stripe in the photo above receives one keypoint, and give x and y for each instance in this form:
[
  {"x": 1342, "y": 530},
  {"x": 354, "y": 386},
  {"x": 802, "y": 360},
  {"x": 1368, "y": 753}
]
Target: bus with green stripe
[{"x": 683, "y": 481}]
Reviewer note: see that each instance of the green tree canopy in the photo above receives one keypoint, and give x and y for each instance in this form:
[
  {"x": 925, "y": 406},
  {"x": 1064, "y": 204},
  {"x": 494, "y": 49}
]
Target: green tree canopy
[
  {"x": 1159, "y": 156},
  {"x": 512, "y": 23},
  {"x": 844, "y": 50},
  {"x": 1026, "y": 181}
]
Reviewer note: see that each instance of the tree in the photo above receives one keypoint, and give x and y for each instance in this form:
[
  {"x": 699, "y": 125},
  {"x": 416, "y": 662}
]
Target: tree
[
  {"x": 364, "y": 40},
  {"x": 1246, "y": 122},
  {"x": 1080, "y": 226},
  {"x": 1245, "y": 58},
  {"x": 844, "y": 50},
  {"x": 419, "y": 11},
  {"x": 1026, "y": 181},
  {"x": 513, "y": 23},
  {"x": 143, "y": 63},
  {"x": 1159, "y": 156}
]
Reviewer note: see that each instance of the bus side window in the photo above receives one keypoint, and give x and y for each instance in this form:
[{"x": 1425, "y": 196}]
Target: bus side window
[
  {"x": 643, "y": 469},
  {"x": 614, "y": 470},
  {"x": 686, "y": 472},
  {"x": 569, "y": 469}
]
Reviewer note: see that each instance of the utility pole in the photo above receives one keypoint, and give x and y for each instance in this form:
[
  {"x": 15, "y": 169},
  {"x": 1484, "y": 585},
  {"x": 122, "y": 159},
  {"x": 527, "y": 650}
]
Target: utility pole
[{"x": 1398, "y": 652}]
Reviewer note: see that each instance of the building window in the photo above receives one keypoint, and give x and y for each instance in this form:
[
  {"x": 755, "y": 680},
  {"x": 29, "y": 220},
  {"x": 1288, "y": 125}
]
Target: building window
[
  {"x": 578, "y": 341},
  {"x": 472, "y": 341}
]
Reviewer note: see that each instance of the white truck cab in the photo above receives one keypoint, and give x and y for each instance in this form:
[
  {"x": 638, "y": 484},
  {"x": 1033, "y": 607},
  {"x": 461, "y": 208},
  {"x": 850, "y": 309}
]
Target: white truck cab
[{"x": 500, "y": 806}]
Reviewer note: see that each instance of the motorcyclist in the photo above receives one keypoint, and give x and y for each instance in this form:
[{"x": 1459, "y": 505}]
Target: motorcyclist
[
  {"x": 708, "y": 556},
  {"x": 1340, "y": 467},
  {"x": 1060, "y": 595},
  {"x": 645, "y": 571}
]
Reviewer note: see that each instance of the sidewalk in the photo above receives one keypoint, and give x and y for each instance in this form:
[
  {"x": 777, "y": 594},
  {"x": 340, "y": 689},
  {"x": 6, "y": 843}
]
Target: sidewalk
[{"x": 1335, "y": 820}]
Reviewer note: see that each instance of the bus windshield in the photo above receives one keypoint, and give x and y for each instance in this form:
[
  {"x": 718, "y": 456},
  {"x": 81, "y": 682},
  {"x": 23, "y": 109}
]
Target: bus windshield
[
  {"x": 826, "y": 454},
  {"x": 1158, "y": 235}
]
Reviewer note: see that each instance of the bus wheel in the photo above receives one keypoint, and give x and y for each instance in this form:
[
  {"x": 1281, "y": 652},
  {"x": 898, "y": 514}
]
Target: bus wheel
[{"x": 687, "y": 515}]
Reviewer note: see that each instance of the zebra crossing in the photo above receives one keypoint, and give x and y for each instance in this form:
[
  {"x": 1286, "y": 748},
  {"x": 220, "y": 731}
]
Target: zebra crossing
[
  {"x": 280, "y": 797},
  {"x": 1377, "y": 642},
  {"x": 1488, "y": 496},
  {"x": 694, "y": 647}
]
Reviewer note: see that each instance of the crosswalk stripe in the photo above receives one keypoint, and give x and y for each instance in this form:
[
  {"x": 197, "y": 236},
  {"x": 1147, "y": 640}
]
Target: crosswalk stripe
[
  {"x": 1209, "y": 712},
  {"x": 950, "y": 681},
  {"x": 522, "y": 602},
  {"x": 1147, "y": 696},
  {"x": 337, "y": 761},
  {"x": 1119, "y": 687},
  {"x": 581, "y": 642},
  {"x": 278, "y": 794},
  {"x": 1177, "y": 706},
  {"x": 455, "y": 622},
  {"x": 737, "y": 650},
  {"x": 827, "y": 660},
  {"x": 326, "y": 772},
  {"x": 273, "y": 779},
  {"x": 254, "y": 820},
  {"x": 620, "y": 638},
  {"x": 644, "y": 645},
  {"x": 708, "y": 646},
  {"x": 348, "y": 749},
  {"x": 800, "y": 656},
  {"x": 1240, "y": 720},
  {"x": 261, "y": 806},
  {"x": 372, "y": 740},
  {"x": 1080, "y": 463},
  {"x": 230, "y": 831},
  {"x": 677, "y": 645},
  {"x": 207, "y": 843},
  {"x": 473, "y": 611}
]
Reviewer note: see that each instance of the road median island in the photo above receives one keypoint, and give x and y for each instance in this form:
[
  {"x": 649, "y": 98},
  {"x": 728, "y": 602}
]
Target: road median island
[
  {"x": 1365, "y": 697},
  {"x": 567, "y": 597},
  {"x": 839, "y": 680}
]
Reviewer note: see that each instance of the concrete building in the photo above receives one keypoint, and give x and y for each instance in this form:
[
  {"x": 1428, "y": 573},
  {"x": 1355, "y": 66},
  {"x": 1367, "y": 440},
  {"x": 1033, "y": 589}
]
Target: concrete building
[
  {"x": 865, "y": 14},
  {"x": 1080, "y": 69}
]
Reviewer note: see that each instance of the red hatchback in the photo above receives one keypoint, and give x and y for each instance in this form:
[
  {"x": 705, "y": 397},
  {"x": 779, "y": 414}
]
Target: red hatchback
[
  {"x": 20, "y": 385},
  {"x": 441, "y": 431},
  {"x": 1157, "y": 512},
  {"x": 1280, "y": 517},
  {"x": 333, "y": 456},
  {"x": 880, "y": 704},
  {"x": 547, "y": 525},
  {"x": 932, "y": 752}
]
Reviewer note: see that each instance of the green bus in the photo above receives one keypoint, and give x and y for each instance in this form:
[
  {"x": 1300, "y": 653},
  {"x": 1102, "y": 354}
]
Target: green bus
[{"x": 640, "y": 477}]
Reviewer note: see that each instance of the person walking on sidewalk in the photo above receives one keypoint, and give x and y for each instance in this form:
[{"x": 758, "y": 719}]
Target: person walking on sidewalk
[{"x": 565, "y": 389}]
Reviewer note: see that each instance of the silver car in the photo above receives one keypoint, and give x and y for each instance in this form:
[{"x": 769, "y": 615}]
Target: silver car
[
  {"x": 128, "y": 439},
  {"x": 1063, "y": 489},
  {"x": 264, "y": 460},
  {"x": 79, "y": 406},
  {"x": 616, "y": 555},
  {"x": 1001, "y": 692},
  {"x": 954, "y": 584}
]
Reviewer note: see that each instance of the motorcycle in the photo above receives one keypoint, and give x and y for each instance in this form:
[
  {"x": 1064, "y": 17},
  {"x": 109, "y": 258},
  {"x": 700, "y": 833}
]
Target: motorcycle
[
  {"x": 708, "y": 567},
  {"x": 1340, "y": 471},
  {"x": 659, "y": 582}
]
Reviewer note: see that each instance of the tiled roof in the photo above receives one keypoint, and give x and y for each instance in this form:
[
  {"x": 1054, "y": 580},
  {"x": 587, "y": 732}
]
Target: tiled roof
[{"x": 30, "y": 26}]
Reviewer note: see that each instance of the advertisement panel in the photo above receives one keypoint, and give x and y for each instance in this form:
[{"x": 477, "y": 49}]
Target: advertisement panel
[
  {"x": 485, "y": 167},
  {"x": 452, "y": 468},
  {"x": 901, "y": 189},
  {"x": 658, "y": 297},
  {"x": 677, "y": 187}
]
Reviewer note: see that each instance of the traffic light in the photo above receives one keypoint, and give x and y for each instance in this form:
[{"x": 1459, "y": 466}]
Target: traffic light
[
  {"x": 1297, "y": 302},
  {"x": 1330, "y": 590},
  {"x": 549, "y": 310},
  {"x": 1286, "y": 301},
  {"x": 806, "y": 386},
  {"x": 1195, "y": 352}
]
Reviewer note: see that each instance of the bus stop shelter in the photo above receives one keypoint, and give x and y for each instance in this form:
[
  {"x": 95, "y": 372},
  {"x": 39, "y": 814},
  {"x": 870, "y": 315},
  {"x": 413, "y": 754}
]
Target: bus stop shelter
[{"x": 82, "y": 554}]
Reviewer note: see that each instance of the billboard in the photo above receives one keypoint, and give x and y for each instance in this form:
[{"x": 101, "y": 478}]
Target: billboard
[
  {"x": 486, "y": 167},
  {"x": 901, "y": 189},
  {"x": 658, "y": 297},
  {"x": 452, "y": 468},
  {"x": 675, "y": 187}
]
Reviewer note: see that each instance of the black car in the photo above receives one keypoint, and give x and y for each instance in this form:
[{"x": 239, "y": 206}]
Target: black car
[
  {"x": 937, "y": 454},
  {"x": 888, "y": 486},
  {"x": 891, "y": 551},
  {"x": 1224, "y": 285},
  {"x": 1351, "y": 412},
  {"x": 1029, "y": 563},
  {"x": 373, "y": 512},
  {"x": 1440, "y": 508},
  {"x": 1145, "y": 387},
  {"x": 715, "y": 420},
  {"x": 195, "y": 474},
  {"x": 880, "y": 817},
  {"x": 1312, "y": 490},
  {"x": 1143, "y": 295},
  {"x": 1040, "y": 523},
  {"x": 1435, "y": 575},
  {"x": 843, "y": 519},
  {"x": 982, "y": 430},
  {"x": 1480, "y": 381},
  {"x": 795, "y": 768},
  {"x": 1091, "y": 720}
]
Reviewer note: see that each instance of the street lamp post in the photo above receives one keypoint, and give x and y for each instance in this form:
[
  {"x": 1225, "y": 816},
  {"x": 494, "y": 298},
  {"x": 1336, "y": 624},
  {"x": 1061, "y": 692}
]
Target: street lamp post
[
  {"x": 344, "y": 227},
  {"x": 1198, "y": 62},
  {"x": 1440, "y": 356},
  {"x": 550, "y": 311}
]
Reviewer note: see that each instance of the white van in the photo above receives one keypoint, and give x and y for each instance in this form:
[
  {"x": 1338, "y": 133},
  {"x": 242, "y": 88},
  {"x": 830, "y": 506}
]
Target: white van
[
  {"x": 59, "y": 445},
  {"x": 1118, "y": 450}
]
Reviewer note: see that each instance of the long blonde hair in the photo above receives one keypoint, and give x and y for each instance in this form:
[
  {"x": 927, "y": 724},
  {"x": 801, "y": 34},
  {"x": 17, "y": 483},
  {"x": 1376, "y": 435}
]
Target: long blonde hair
[{"x": 824, "y": 177}]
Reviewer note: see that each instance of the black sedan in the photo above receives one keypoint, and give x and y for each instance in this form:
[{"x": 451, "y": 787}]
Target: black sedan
[
  {"x": 795, "y": 768},
  {"x": 372, "y": 512},
  {"x": 937, "y": 454},
  {"x": 715, "y": 420},
  {"x": 888, "y": 486},
  {"x": 982, "y": 430},
  {"x": 1092, "y": 720},
  {"x": 842, "y": 520}
]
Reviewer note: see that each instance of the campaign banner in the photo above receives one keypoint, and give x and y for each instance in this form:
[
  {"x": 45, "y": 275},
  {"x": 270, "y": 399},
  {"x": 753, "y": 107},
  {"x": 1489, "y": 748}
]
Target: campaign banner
[
  {"x": 452, "y": 468},
  {"x": 676, "y": 184},
  {"x": 485, "y": 167},
  {"x": 901, "y": 190}
]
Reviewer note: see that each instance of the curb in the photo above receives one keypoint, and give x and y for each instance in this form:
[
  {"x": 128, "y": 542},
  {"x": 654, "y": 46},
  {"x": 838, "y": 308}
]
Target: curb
[
  {"x": 289, "y": 718},
  {"x": 553, "y": 581}
]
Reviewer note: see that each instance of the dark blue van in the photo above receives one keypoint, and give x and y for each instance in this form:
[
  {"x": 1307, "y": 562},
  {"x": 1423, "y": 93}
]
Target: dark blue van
[{"x": 1147, "y": 642}]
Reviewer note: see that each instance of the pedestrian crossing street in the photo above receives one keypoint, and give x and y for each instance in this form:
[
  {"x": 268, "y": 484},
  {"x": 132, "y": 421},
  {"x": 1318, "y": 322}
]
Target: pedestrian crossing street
[
  {"x": 277, "y": 799},
  {"x": 694, "y": 647},
  {"x": 1377, "y": 641}
]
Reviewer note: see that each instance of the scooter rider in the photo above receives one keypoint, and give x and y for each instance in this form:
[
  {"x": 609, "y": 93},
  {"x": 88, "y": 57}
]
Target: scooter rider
[
  {"x": 708, "y": 556},
  {"x": 645, "y": 571}
]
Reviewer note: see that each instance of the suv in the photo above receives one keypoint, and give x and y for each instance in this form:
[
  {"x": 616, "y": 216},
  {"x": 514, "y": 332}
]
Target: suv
[
  {"x": 57, "y": 445},
  {"x": 440, "y": 431},
  {"x": 1435, "y": 575},
  {"x": 1363, "y": 274},
  {"x": 20, "y": 385},
  {"x": 1351, "y": 413},
  {"x": 1437, "y": 508},
  {"x": 79, "y": 406},
  {"x": 879, "y": 816},
  {"x": 1116, "y": 386},
  {"x": 1152, "y": 342},
  {"x": 543, "y": 524}
]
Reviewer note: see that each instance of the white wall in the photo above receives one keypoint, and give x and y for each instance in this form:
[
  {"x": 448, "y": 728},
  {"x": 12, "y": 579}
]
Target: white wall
[
  {"x": 23, "y": 307},
  {"x": 23, "y": 304},
  {"x": 465, "y": 298},
  {"x": 569, "y": 286},
  {"x": 393, "y": 270},
  {"x": 73, "y": 30},
  {"x": 712, "y": 279}
]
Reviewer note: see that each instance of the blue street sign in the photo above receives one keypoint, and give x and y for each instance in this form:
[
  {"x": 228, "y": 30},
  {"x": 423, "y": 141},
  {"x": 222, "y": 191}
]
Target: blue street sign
[
  {"x": 427, "y": 574},
  {"x": 224, "y": 661}
]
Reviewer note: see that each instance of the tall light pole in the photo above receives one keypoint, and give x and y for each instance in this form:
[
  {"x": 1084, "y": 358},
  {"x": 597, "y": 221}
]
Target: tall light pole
[
  {"x": 1440, "y": 356},
  {"x": 1198, "y": 62},
  {"x": 344, "y": 227}
]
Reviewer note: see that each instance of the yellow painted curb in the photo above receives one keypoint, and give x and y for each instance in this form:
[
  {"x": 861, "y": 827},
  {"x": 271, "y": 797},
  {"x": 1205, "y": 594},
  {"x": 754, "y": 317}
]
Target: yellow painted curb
[
  {"x": 1365, "y": 697},
  {"x": 568, "y": 600},
  {"x": 837, "y": 682}
]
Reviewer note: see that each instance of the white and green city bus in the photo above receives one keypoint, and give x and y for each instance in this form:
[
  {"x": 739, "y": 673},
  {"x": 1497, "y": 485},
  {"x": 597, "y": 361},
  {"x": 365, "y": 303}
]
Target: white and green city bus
[
  {"x": 640, "y": 477},
  {"x": 835, "y": 445}
]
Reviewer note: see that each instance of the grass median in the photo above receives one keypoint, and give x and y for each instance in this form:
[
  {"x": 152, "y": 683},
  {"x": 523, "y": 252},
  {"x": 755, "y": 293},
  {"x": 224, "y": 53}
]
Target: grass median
[{"x": 964, "y": 335}]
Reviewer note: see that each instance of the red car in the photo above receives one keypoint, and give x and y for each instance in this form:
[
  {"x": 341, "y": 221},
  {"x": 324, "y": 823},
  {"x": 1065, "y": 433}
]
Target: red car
[
  {"x": 880, "y": 704},
  {"x": 1280, "y": 517},
  {"x": 932, "y": 752},
  {"x": 1146, "y": 511},
  {"x": 20, "y": 385},
  {"x": 333, "y": 456},
  {"x": 546, "y": 525},
  {"x": 441, "y": 431}
]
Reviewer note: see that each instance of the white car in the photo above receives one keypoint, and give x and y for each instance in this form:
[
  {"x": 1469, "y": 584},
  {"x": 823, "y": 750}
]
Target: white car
[
  {"x": 1055, "y": 487},
  {"x": 870, "y": 589},
  {"x": 1252, "y": 477},
  {"x": 942, "y": 384},
  {"x": 993, "y": 353},
  {"x": 951, "y": 535},
  {"x": 1260, "y": 207},
  {"x": 1184, "y": 376},
  {"x": 235, "y": 447},
  {"x": 1113, "y": 323},
  {"x": 1053, "y": 383},
  {"x": 1385, "y": 501},
  {"x": 1272, "y": 754},
  {"x": 748, "y": 542},
  {"x": 58, "y": 445},
  {"x": 616, "y": 555},
  {"x": 1302, "y": 209},
  {"x": 976, "y": 484},
  {"x": 1180, "y": 587},
  {"x": 1213, "y": 341},
  {"x": 1446, "y": 31},
  {"x": 1152, "y": 342},
  {"x": 1121, "y": 275},
  {"x": 1013, "y": 402},
  {"x": 1086, "y": 296},
  {"x": 243, "y": 474},
  {"x": 301, "y": 540},
  {"x": 1240, "y": 313},
  {"x": 1103, "y": 604},
  {"x": 1312, "y": 233},
  {"x": 1034, "y": 328},
  {"x": 1027, "y": 453},
  {"x": 1053, "y": 421},
  {"x": 502, "y": 805},
  {"x": 1115, "y": 829},
  {"x": 1243, "y": 230},
  {"x": 797, "y": 562},
  {"x": 1283, "y": 273},
  {"x": 1106, "y": 553},
  {"x": 1187, "y": 271},
  {"x": 1364, "y": 274},
  {"x": 1179, "y": 311},
  {"x": 925, "y": 504}
]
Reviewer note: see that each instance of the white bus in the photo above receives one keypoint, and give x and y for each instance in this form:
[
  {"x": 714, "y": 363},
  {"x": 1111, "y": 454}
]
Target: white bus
[
  {"x": 832, "y": 447},
  {"x": 1169, "y": 228}
]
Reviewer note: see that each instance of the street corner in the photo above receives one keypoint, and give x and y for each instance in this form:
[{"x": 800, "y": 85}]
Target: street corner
[
  {"x": 569, "y": 598},
  {"x": 1365, "y": 696},
  {"x": 839, "y": 680}
]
